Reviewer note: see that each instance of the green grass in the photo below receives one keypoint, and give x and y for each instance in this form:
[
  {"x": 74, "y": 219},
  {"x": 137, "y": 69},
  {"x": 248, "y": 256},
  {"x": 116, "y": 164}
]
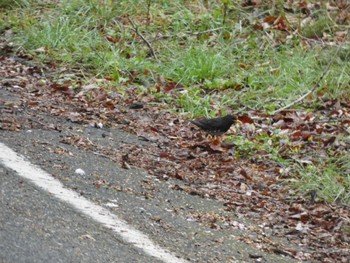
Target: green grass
[
  {"x": 75, "y": 33},
  {"x": 234, "y": 68},
  {"x": 261, "y": 146},
  {"x": 16, "y": 3},
  {"x": 329, "y": 179},
  {"x": 316, "y": 29}
]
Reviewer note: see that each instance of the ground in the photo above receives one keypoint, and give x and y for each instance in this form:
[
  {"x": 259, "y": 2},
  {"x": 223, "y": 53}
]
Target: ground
[{"x": 239, "y": 199}]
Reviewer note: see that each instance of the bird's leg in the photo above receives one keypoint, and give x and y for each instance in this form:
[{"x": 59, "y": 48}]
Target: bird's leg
[
  {"x": 209, "y": 136},
  {"x": 216, "y": 139}
]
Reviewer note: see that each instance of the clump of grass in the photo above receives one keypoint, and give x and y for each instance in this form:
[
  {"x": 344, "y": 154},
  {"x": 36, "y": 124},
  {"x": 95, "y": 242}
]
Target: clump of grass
[
  {"x": 66, "y": 40},
  {"x": 318, "y": 28},
  {"x": 197, "y": 64},
  {"x": 261, "y": 146},
  {"x": 12, "y": 3},
  {"x": 329, "y": 179},
  {"x": 193, "y": 102}
]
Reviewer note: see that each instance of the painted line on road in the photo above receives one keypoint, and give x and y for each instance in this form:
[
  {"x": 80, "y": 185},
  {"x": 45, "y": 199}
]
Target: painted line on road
[{"x": 44, "y": 180}]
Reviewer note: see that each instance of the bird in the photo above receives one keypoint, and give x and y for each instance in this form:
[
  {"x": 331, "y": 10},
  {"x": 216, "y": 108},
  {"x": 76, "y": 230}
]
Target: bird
[{"x": 216, "y": 126}]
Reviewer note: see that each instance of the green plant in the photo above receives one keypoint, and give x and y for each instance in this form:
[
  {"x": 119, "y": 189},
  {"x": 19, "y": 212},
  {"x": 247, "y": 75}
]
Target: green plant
[
  {"x": 192, "y": 101},
  {"x": 328, "y": 178},
  {"x": 16, "y": 3},
  {"x": 261, "y": 146},
  {"x": 318, "y": 28}
]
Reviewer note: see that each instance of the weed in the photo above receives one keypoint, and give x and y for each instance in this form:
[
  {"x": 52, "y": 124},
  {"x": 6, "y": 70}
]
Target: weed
[
  {"x": 318, "y": 28},
  {"x": 11, "y": 3},
  {"x": 329, "y": 178}
]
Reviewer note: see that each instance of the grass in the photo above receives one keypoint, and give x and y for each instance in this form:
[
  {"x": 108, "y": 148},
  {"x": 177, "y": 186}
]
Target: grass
[
  {"x": 329, "y": 179},
  {"x": 11, "y": 3},
  {"x": 319, "y": 27},
  {"x": 75, "y": 33},
  {"x": 234, "y": 67}
]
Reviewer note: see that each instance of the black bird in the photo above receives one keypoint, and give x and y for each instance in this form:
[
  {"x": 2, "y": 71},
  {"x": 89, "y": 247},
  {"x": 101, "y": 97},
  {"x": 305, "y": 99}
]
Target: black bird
[{"x": 216, "y": 126}]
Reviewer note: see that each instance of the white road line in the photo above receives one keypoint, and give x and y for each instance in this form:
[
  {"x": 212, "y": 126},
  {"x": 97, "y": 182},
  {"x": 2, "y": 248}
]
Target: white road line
[{"x": 42, "y": 179}]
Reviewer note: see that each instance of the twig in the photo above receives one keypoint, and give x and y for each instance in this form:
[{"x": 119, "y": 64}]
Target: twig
[
  {"x": 149, "y": 11},
  {"x": 207, "y": 31},
  {"x": 192, "y": 33},
  {"x": 105, "y": 156},
  {"x": 97, "y": 53},
  {"x": 225, "y": 13},
  {"x": 314, "y": 87},
  {"x": 136, "y": 30}
]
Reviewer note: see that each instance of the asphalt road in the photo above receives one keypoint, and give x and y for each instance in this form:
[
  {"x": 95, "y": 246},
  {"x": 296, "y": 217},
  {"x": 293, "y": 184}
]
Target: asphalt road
[{"x": 36, "y": 227}]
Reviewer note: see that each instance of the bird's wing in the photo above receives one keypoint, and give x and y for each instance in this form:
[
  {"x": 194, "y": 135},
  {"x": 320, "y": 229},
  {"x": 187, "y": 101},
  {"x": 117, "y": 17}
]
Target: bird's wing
[
  {"x": 199, "y": 123},
  {"x": 208, "y": 124}
]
